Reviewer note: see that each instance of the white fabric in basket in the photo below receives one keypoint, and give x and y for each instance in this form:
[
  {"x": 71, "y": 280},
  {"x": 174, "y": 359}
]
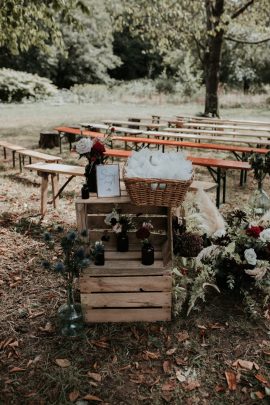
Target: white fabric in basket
[{"x": 158, "y": 165}]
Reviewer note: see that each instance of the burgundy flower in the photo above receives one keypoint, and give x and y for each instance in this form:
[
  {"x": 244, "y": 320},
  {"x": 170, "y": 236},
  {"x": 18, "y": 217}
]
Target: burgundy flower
[
  {"x": 254, "y": 231},
  {"x": 98, "y": 148},
  {"x": 142, "y": 233}
]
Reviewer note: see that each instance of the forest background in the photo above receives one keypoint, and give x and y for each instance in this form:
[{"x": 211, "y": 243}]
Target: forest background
[{"x": 182, "y": 47}]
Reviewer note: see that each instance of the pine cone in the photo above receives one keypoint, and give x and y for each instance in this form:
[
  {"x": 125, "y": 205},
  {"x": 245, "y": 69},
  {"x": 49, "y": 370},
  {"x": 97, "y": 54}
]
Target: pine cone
[{"x": 188, "y": 244}]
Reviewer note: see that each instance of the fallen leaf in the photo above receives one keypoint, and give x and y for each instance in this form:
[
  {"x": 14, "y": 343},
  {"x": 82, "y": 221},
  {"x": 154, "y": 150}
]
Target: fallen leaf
[
  {"x": 62, "y": 362},
  {"x": 182, "y": 336},
  {"x": 47, "y": 328},
  {"x": 16, "y": 370},
  {"x": 73, "y": 395},
  {"x": 181, "y": 362},
  {"x": 171, "y": 351},
  {"x": 247, "y": 365},
  {"x": 260, "y": 394},
  {"x": 167, "y": 396},
  {"x": 180, "y": 377},
  {"x": 90, "y": 397},
  {"x": 262, "y": 379},
  {"x": 151, "y": 355},
  {"x": 231, "y": 380},
  {"x": 167, "y": 366},
  {"x": 169, "y": 386},
  {"x": 139, "y": 379},
  {"x": 94, "y": 376},
  {"x": 192, "y": 385},
  {"x": 219, "y": 388},
  {"x": 14, "y": 344}
]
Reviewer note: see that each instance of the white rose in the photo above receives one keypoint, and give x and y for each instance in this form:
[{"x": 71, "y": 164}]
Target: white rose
[
  {"x": 265, "y": 235},
  {"x": 84, "y": 146},
  {"x": 110, "y": 216},
  {"x": 250, "y": 256}
]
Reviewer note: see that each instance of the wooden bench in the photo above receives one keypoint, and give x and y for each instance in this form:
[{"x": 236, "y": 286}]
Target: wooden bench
[
  {"x": 218, "y": 121},
  {"x": 62, "y": 131},
  {"x": 205, "y": 137},
  {"x": 132, "y": 124},
  {"x": 51, "y": 170},
  {"x": 12, "y": 147},
  {"x": 34, "y": 154},
  {"x": 224, "y": 126},
  {"x": 216, "y": 132},
  {"x": 244, "y": 150}
]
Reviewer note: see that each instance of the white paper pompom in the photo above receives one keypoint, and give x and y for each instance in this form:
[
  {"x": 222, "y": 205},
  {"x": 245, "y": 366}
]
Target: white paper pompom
[{"x": 84, "y": 146}]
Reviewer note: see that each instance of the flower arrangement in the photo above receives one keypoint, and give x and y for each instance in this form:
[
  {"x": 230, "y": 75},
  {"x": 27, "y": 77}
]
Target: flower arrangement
[
  {"x": 144, "y": 231},
  {"x": 97, "y": 252},
  {"x": 74, "y": 256},
  {"x": 260, "y": 165},
  {"x": 236, "y": 260},
  {"x": 94, "y": 151},
  {"x": 119, "y": 223}
]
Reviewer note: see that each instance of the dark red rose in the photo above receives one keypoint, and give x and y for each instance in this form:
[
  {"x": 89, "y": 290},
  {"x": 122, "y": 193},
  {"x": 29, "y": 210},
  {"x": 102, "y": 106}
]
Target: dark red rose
[
  {"x": 254, "y": 231},
  {"x": 98, "y": 148},
  {"x": 142, "y": 233},
  {"x": 112, "y": 129}
]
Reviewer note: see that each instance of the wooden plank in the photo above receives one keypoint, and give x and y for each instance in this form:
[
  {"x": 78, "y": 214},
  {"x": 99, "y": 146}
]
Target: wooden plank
[
  {"x": 127, "y": 300},
  {"x": 130, "y": 255},
  {"x": 99, "y": 271},
  {"x": 81, "y": 217},
  {"x": 57, "y": 168},
  {"x": 39, "y": 155},
  {"x": 97, "y": 234},
  {"x": 126, "y": 284},
  {"x": 129, "y": 315},
  {"x": 97, "y": 221},
  {"x": 132, "y": 264}
]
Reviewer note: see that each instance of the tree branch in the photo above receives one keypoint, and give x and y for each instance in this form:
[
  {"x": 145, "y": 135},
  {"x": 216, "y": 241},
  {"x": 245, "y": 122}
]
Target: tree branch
[
  {"x": 240, "y": 41},
  {"x": 242, "y": 9}
]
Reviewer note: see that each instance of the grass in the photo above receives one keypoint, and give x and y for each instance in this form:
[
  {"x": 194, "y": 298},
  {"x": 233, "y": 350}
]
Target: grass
[{"x": 118, "y": 353}]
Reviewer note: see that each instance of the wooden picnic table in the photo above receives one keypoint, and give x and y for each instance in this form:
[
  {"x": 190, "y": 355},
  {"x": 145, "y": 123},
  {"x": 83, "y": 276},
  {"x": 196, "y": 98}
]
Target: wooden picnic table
[
  {"x": 223, "y": 120},
  {"x": 34, "y": 154},
  {"x": 213, "y": 138},
  {"x": 223, "y": 126},
  {"x": 148, "y": 125},
  {"x": 253, "y": 134}
]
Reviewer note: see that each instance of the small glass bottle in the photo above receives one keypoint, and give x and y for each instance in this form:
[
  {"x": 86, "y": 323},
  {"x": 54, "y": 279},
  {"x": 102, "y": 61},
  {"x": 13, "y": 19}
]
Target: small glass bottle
[{"x": 85, "y": 192}]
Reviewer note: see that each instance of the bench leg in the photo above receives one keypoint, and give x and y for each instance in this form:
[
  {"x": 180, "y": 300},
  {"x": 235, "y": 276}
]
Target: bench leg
[
  {"x": 55, "y": 186},
  {"x": 218, "y": 187},
  {"x": 13, "y": 158},
  {"x": 20, "y": 162},
  {"x": 5, "y": 153},
  {"x": 44, "y": 193}
]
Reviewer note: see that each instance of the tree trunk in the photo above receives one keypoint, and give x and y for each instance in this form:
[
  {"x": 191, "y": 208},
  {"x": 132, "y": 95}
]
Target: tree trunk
[
  {"x": 48, "y": 139},
  {"x": 213, "y": 55}
]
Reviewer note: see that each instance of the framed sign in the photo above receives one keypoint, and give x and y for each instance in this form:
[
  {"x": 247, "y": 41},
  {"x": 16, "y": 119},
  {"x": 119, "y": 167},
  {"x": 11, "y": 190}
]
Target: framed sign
[{"x": 108, "y": 180}]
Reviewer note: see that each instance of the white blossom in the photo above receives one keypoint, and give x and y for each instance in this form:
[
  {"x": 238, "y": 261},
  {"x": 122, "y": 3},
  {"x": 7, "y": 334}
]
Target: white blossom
[
  {"x": 110, "y": 216},
  {"x": 265, "y": 235},
  {"x": 84, "y": 146},
  {"x": 250, "y": 256}
]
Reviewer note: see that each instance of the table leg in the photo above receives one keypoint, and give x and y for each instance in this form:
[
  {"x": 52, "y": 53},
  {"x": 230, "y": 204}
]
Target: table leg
[
  {"x": 55, "y": 186},
  {"x": 20, "y": 161},
  {"x": 13, "y": 158},
  {"x": 44, "y": 193}
]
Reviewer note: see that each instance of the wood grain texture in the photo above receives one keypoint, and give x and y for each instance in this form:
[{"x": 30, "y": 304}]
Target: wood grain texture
[{"x": 127, "y": 315}]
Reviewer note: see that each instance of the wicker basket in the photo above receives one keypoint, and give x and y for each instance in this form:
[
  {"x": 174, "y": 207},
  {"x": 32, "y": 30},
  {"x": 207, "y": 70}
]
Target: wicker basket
[{"x": 158, "y": 192}]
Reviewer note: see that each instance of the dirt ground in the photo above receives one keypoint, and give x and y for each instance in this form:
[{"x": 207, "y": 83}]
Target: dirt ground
[{"x": 190, "y": 360}]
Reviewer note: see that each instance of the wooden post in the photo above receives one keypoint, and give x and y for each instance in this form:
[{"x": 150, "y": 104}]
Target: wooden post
[
  {"x": 44, "y": 192},
  {"x": 55, "y": 186}
]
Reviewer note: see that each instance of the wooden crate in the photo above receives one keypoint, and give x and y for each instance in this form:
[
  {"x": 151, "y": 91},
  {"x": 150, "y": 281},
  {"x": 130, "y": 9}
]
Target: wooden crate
[{"x": 124, "y": 290}]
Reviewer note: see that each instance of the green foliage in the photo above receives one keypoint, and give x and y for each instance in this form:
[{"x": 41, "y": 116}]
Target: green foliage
[
  {"x": 28, "y": 22},
  {"x": 16, "y": 86}
]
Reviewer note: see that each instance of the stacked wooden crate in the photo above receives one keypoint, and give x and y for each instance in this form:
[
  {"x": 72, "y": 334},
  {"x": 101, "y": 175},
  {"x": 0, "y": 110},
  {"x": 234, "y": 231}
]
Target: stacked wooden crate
[{"x": 124, "y": 290}]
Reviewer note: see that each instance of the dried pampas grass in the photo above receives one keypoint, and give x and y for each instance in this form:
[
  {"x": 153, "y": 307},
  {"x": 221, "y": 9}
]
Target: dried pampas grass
[{"x": 209, "y": 216}]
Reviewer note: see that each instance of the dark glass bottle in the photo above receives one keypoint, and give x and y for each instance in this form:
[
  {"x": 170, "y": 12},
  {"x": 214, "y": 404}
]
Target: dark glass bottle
[
  {"x": 91, "y": 177},
  {"x": 148, "y": 254},
  {"x": 85, "y": 192},
  {"x": 99, "y": 258},
  {"x": 122, "y": 242}
]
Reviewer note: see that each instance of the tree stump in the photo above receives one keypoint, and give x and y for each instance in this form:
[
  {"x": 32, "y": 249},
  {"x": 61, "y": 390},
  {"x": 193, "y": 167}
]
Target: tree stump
[{"x": 48, "y": 139}]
